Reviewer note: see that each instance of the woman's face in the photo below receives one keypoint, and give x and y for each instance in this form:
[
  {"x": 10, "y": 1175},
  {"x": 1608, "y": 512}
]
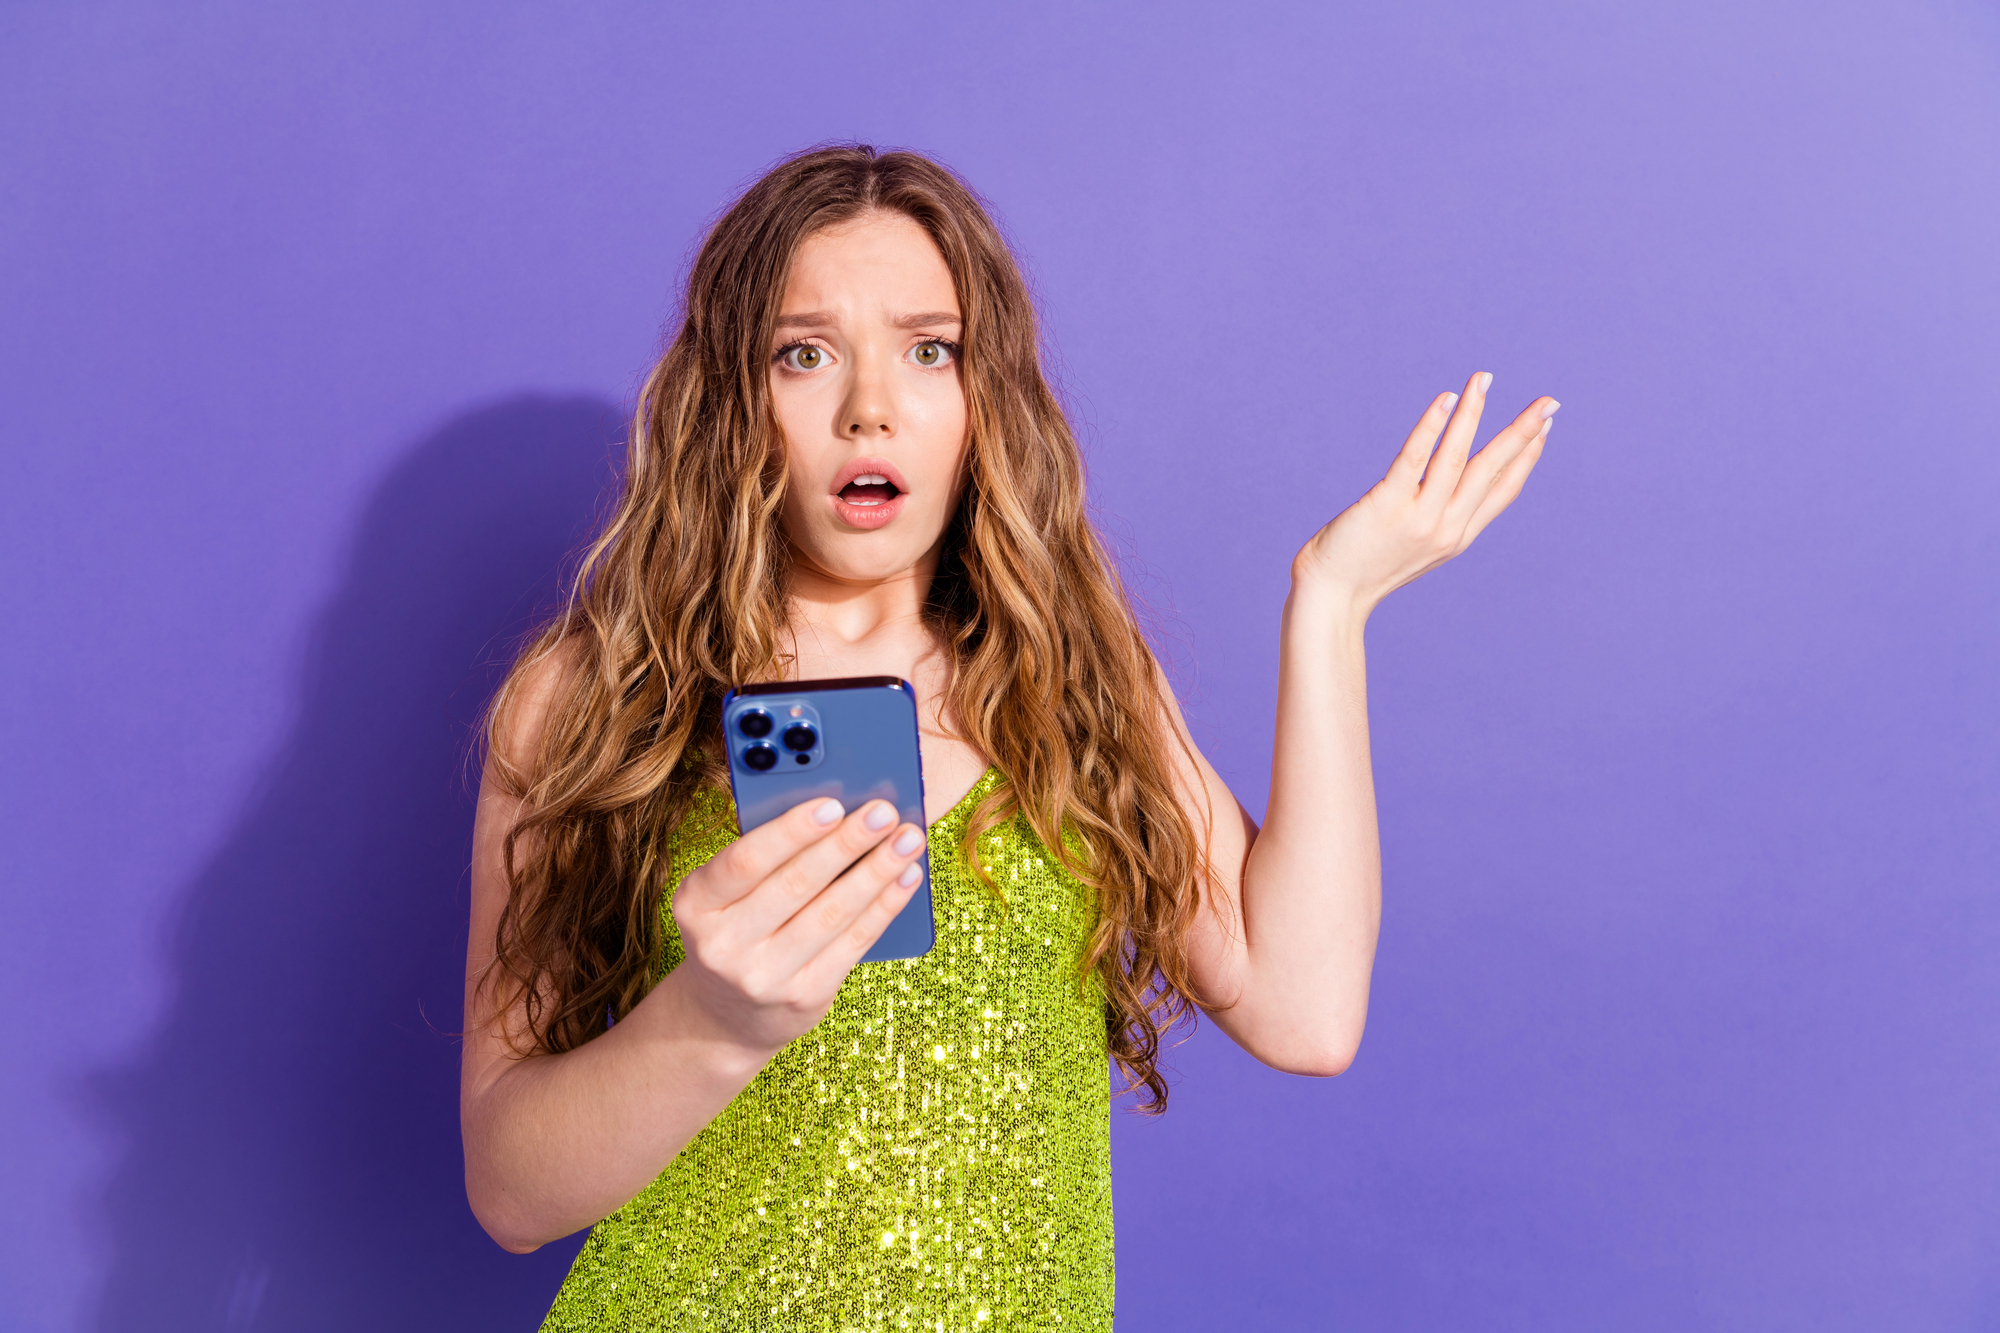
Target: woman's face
[{"x": 865, "y": 380}]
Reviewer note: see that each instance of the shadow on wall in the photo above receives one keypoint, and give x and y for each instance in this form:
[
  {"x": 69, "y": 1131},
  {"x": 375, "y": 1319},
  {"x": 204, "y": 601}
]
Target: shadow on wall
[{"x": 292, "y": 1133}]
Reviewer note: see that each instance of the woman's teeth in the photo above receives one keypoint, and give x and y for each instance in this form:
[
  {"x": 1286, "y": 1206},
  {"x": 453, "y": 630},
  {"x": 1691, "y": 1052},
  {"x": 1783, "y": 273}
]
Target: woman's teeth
[{"x": 867, "y": 490}]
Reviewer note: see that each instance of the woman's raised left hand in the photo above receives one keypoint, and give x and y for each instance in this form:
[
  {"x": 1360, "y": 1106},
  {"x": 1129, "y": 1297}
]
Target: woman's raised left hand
[{"x": 1432, "y": 503}]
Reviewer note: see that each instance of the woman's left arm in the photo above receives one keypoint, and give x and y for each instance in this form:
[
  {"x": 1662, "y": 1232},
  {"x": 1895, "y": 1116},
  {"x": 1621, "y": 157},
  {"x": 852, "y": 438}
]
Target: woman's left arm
[{"x": 1282, "y": 958}]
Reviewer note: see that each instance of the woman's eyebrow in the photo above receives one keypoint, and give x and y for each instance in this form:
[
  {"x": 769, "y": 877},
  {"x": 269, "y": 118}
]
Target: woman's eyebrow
[{"x": 815, "y": 319}]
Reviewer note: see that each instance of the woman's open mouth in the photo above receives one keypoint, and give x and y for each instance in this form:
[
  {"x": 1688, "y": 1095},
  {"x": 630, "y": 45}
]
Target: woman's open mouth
[
  {"x": 868, "y": 493},
  {"x": 870, "y": 488}
]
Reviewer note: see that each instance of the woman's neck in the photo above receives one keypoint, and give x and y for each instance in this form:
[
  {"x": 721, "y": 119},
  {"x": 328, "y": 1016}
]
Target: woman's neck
[
  {"x": 856, "y": 627},
  {"x": 848, "y": 627}
]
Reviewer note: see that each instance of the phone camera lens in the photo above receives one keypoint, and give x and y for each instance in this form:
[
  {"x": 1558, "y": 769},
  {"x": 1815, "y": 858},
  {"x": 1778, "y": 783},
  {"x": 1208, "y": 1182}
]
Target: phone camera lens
[
  {"x": 800, "y": 737},
  {"x": 761, "y": 757},
  {"x": 756, "y": 724},
  {"x": 805, "y": 759}
]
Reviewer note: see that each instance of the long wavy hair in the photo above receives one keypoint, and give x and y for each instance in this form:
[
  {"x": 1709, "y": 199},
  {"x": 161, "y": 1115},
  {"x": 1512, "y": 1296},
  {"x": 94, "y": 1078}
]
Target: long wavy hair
[{"x": 684, "y": 596}]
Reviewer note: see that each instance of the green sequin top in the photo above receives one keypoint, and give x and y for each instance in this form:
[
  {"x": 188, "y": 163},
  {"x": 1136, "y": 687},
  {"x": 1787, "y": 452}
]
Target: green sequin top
[{"x": 934, "y": 1155}]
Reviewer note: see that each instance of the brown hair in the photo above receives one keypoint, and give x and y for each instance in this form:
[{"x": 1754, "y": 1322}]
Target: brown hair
[{"x": 683, "y": 597}]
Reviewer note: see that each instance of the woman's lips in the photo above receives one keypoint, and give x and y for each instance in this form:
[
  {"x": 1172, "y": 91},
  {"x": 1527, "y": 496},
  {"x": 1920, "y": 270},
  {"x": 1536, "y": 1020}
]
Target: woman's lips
[
  {"x": 868, "y": 511},
  {"x": 867, "y": 499}
]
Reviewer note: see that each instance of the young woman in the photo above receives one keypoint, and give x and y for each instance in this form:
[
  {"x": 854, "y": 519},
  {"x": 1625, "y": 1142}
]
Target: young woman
[{"x": 848, "y": 463}]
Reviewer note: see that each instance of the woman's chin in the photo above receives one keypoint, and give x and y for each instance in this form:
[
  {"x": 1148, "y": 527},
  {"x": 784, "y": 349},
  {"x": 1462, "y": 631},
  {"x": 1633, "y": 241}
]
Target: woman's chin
[{"x": 851, "y": 557}]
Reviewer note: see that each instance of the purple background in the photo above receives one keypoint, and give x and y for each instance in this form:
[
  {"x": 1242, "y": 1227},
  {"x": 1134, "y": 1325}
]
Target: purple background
[{"x": 317, "y": 325}]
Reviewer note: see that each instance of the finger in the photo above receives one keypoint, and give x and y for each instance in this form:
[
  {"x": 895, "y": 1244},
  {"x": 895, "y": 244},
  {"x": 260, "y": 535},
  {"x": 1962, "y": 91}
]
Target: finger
[
  {"x": 1506, "y": 485},
  {"x": 744, "y": 864},
  {"x": 1480, "y": 474},
  {"x": 834, "y": 920},
  {"x": 1416, "y": 451},
  {"x": 1441, "y": 477},
  {"x": 762, "y": 911},
  {"x": 839, "y": 954}
]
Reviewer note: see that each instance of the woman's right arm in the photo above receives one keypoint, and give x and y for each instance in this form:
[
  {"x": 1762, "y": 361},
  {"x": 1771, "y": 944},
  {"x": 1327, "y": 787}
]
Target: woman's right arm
[{"x": 771, "y": 925}]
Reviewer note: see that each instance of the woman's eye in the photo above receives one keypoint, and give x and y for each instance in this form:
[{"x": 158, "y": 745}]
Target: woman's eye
[
  {"x": 804, "y": 358},
  {"x": 932, "y": 354}
]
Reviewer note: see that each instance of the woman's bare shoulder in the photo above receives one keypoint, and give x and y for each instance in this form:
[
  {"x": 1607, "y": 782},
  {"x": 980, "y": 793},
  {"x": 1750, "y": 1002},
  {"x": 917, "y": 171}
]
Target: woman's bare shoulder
[
  {"x": 537, "y": 686},
  {"x": 533, "y": 690}
]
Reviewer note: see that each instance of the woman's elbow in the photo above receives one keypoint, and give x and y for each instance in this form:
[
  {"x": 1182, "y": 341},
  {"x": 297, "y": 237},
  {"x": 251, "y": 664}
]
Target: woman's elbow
[
  {"x": 507, "y": 1232},
  {"x": 1314, "y": 1061},
  {"x": 499, "y": 1210},
  {"x": 1324, "y": 1052}
]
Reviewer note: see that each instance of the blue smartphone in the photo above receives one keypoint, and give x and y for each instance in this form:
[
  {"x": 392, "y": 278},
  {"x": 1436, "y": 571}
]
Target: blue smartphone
[{"x": 854, "y": 740}]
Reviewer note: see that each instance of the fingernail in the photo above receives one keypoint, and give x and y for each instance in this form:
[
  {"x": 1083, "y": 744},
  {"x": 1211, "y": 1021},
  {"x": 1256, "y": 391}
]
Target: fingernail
[
  {"x": 1486, "y": 381},
  {"x": 880, "y": 815},
  {"x": 826, "y": 812},
  {"x": 1550, "y": 410},
  {"x": 911, "y": 874},
  {"x": 1450, "y": 401},
  {"x": 909, "y": 842}
]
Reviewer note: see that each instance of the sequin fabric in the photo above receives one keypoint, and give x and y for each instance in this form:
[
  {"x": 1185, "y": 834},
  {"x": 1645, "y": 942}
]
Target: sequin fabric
[{"x": 934, "y": 1155}]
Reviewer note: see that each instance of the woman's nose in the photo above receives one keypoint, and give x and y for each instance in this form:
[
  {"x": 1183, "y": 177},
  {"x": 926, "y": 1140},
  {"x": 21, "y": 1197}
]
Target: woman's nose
[
  {"x": 865, "y": 422},
  {"x": 870, "y": 410}
]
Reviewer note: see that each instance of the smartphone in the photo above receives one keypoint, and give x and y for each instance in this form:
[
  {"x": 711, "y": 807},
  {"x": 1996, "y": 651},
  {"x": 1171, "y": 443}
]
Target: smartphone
[{"x": 854, "y": 740}]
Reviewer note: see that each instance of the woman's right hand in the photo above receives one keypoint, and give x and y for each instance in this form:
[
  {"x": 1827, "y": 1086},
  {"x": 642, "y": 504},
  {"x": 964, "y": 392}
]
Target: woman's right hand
[
  {"x": 774, "y": 922},
  {"x": 771, "y": 925}
]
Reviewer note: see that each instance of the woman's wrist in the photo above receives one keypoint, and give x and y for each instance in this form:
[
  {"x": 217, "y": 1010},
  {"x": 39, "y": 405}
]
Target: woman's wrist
[
  {"x": 677, "y": 1015},
  {"x": 1328, "y": 603}
]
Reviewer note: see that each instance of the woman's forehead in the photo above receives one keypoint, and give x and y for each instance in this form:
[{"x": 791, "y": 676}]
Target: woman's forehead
[{"x": 880, "y": 266}]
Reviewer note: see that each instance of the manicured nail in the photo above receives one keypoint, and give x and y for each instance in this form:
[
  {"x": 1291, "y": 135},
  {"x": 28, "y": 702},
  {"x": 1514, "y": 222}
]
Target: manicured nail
[
  {"x": 1486, "y": 381},
  {"x": 880, "y": 815},
  {"x": 1450, "y": 401},
  {"x": 911, "y": 874},
  {"x": 1550, "y": 410},
  {"x": 826, "y": 812},
  {"x": 910, "y": 840}
]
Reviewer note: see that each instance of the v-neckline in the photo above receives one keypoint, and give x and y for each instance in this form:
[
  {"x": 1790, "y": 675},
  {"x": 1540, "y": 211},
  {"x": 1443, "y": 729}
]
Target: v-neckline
[{"x": 977, "y": 784}]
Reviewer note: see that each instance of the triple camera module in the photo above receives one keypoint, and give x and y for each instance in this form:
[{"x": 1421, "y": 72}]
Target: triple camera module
[{"x": 796, "y": 732}]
